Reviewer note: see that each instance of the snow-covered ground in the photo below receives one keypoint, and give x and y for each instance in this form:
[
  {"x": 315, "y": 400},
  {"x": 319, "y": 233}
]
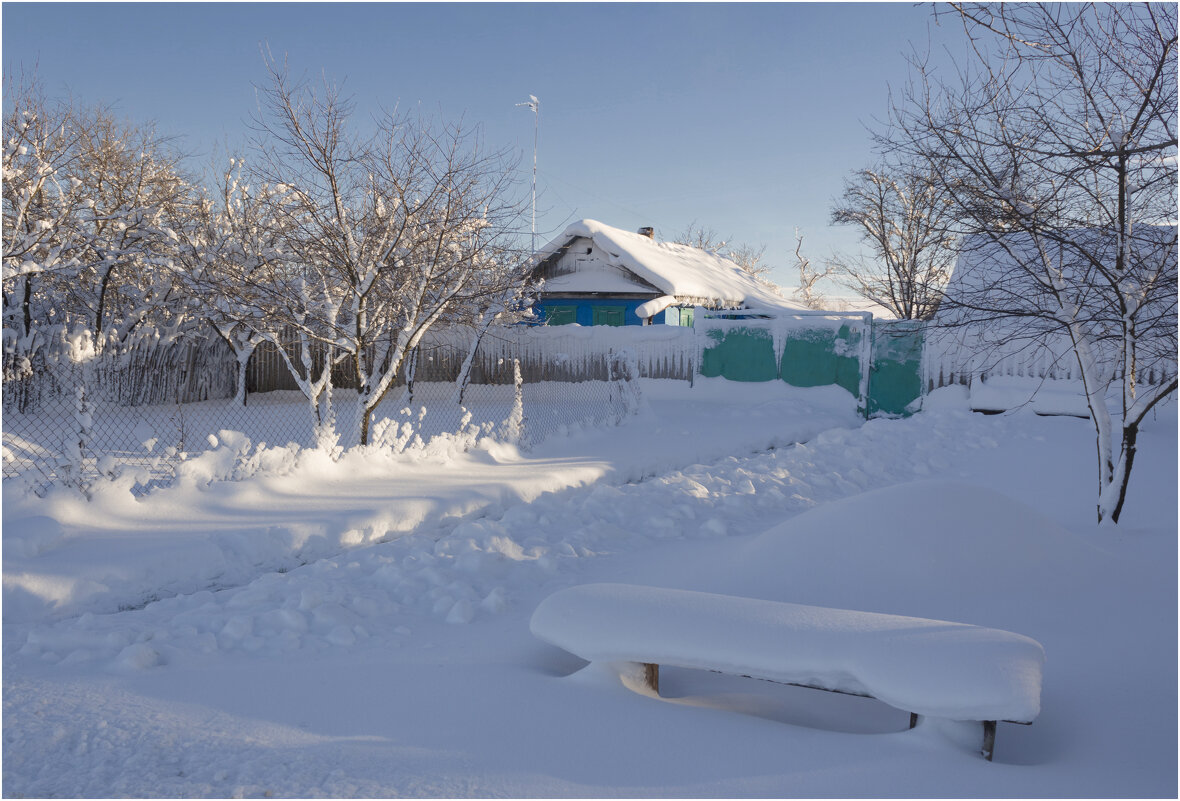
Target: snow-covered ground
[{"x": 361, "y": 628}]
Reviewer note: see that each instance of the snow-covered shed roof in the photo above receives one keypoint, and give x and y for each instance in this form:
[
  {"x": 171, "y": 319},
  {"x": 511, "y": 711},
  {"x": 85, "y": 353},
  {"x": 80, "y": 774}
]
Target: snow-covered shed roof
[
  {"x": 681, "y": 271},
  {"x": 988, "y": 275}
]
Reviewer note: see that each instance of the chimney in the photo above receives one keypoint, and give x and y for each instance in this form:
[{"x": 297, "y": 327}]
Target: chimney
[{"x": 648, "y": 231}]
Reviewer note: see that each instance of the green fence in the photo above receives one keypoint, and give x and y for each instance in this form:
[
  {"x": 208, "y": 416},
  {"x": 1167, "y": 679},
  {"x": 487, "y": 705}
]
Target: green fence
[
  {"x": 816, "y": 357},
  {"x": 895, "y": 380},
  {"x": 739, "y": 354},
  {"x": 819, "y": 350}
]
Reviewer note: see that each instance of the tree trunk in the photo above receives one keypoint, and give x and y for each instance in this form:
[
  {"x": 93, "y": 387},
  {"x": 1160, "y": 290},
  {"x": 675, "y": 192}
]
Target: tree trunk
[
  {"x": 1123, "y": 473},
  {"x": 27, "y": 305},
  {"x": 411, "y": 374},
  {"x": 464, "y": 377},
  {"x": 100, "y": 312},
  {"x": 243, "y": 364}
]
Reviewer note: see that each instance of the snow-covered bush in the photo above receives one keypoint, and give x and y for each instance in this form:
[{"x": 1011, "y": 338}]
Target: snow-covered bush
[
  {"x": 513, "y": 431},
  {"x": 626, "y": 393}
]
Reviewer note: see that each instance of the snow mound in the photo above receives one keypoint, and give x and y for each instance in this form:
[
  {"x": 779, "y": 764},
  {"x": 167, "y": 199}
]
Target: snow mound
[
  {"x": 953, "y": 398},
  {"x": 928, "y": 549},
  {"x": 34, "y": 537}
]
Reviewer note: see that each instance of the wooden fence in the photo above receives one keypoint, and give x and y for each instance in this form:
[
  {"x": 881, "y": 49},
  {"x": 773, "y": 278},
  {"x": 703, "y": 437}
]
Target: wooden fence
[
  {"x": 182, "y": 370},
  {"x": 545, "y": 354},
  {"x": 964, "y": 356}
]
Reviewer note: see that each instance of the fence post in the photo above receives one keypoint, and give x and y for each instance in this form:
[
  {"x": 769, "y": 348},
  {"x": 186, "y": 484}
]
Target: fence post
[{"x": 866, "y": 364}]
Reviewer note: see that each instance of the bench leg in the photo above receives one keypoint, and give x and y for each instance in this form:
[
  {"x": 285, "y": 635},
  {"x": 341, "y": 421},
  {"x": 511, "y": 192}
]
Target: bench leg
[
  {"x": 989, "y": 739},
  {"x": 913, "y": 719},
  {"x": 651, "y": 677}
]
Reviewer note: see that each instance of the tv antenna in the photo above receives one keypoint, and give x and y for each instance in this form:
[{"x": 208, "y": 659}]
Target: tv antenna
[{"x": 534, "y": 104}]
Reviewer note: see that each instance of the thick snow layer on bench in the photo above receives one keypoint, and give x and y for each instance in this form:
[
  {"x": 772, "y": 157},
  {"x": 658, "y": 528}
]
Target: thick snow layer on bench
[
  {"x": 931, "y": 667},
  {"x": 1043, "y": 396}
]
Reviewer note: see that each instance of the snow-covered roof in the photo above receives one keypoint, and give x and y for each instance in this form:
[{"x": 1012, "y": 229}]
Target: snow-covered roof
[
  {"x": 685, "y": 272},
  {"x": 989, "y": 268}
]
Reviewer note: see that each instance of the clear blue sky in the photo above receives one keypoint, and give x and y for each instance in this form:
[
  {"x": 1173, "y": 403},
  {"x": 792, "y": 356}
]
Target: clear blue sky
[{"x": 742, "y": 117}]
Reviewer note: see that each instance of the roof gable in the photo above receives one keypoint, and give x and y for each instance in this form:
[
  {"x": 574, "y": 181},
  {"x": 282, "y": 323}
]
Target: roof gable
[{"x": 581, "y": 266}]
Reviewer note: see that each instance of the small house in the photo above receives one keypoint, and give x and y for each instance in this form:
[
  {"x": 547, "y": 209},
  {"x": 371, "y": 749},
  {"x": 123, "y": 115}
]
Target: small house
[{"x": 595, "y": 274}]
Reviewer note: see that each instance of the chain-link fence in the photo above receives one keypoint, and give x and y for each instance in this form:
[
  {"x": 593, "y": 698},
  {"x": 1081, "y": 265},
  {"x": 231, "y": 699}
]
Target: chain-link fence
[{"x": 144, "y": 414}]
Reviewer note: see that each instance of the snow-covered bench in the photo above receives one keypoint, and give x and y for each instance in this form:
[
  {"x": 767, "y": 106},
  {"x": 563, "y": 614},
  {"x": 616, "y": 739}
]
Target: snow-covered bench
[{"x": 925, "y": 667}]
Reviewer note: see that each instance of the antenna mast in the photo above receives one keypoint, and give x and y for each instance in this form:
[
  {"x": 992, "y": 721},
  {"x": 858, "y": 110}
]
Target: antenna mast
[{"x": 534, "y": 104}]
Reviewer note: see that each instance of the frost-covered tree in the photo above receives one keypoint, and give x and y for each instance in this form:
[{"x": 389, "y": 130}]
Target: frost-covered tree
[
  {"x": 226, "y": 262},
  {"x": 384, "y": 235},
  {"x": 698, "y": 236},
  {"x": 42, "y": 197},
  {"x": 807, "y": 293},
  {"x": 903, "y": 216},
  {"x": 90, "y": 208},
  {"x": 749, "y": 257},
  {"x": 502, "y": 305},
  {"x": 136, "y": 196},
  {"x": 1056, "y": 145}
]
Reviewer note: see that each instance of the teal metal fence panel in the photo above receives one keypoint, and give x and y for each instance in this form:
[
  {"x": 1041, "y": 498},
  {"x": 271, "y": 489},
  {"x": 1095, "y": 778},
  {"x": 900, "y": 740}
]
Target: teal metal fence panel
[
  {"x": 816, "y": 357},
  {"x": 896, "y": 378},
  {"x": 821, "y": 351},
  {"x": 739, "y": 354}
]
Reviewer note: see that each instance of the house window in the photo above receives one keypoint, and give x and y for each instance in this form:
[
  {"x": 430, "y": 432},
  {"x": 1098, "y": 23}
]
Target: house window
[
  {"x": 686, "y": 315},
  {"x": 608, "y": 315},
  {"x": 561, "y": 315}
]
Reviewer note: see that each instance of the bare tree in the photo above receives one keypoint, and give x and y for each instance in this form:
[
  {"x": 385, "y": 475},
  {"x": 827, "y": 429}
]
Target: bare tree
[
  {"x": 512, "y": 305},
  {"x": 748, "y": 257},
  {"x": 698, "y": 236},
  {"x": 902, "y": 216},
  {"x": 807, "y": 294},
  {"x": 1057, "y": 147},
  {"x": 384, "y": 235}
]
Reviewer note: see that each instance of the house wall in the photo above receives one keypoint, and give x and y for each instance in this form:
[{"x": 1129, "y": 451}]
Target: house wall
[{"x": 585, "y": 314}]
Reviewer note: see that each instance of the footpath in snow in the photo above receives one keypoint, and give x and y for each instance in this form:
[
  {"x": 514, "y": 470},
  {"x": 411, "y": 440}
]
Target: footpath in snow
[{"x": 65, "y": 556}]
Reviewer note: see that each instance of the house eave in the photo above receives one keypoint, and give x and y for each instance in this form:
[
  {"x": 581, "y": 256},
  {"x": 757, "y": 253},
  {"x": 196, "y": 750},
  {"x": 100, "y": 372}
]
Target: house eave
[{"x": 597, "y": 295}]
